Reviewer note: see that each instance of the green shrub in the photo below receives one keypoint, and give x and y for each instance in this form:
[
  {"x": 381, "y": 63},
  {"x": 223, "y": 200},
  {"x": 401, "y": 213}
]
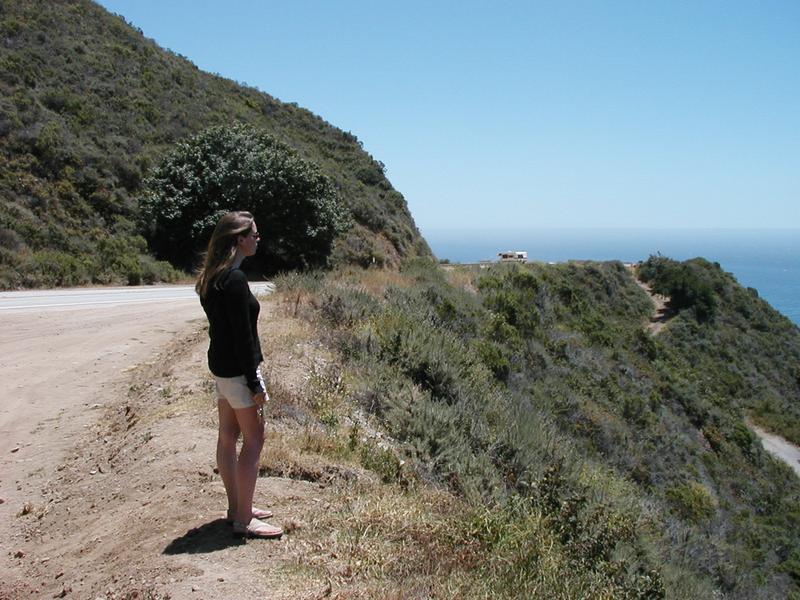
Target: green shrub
[
  {"x": 692, "y": 501},
  {"x": 154, "y": 271},
  {"x": 52, "y": 268},
  {"x": 119, "y": 257},
  {"x": 370, "y": 175},
  {"x": 242, "y": 168},
  {"x": 792, "y": 565},
  {"x": 381, "y": 460},
  {"x": 494, "y": 358},
  {"x": 686, "y": 284},
  {"x": 346, "y": 307},
  {"x": 50, "y": 146},
  {"x": 743, "y": 438},
  {"x": 513, "y": 294},
  {"x": 358, "y": 246}
]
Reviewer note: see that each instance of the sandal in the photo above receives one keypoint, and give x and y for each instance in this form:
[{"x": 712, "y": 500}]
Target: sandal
[
  {"x": 257, "y": 529},
  {"x": 258, "y": 513}
]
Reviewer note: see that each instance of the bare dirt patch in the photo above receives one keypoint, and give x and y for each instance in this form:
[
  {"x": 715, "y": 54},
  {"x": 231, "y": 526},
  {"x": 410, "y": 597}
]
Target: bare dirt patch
[{"x": 63, "y": 369}]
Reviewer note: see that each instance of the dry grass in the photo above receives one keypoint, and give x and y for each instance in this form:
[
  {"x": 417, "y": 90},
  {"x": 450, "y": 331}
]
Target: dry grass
[
  {"x": 293, "y": 353},
  {"x": 373, "y": 281},
  {"x": 308, "y": 455},
  {"x": 381, "y": 542},
  {"x": 463, "y": 278}
]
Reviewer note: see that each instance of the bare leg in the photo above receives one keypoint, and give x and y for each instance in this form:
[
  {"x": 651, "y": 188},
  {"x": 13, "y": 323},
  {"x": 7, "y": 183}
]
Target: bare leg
[
  {"x": 226, "y": 452},
  {"x": 247, "y": 466}
]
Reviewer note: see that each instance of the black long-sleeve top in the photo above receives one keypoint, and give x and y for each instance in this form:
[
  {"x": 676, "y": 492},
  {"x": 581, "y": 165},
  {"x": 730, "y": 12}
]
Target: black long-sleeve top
[{"x": 232, "y": 313}]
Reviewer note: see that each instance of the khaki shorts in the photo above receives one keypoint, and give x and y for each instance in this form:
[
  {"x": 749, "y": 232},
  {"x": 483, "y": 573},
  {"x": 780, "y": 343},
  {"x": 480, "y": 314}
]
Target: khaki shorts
[{"x": 235, "y": 390}]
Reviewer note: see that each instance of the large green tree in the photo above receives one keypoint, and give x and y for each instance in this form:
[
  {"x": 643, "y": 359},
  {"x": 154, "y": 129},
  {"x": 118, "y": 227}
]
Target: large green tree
[{"x": 239, "y": 167}]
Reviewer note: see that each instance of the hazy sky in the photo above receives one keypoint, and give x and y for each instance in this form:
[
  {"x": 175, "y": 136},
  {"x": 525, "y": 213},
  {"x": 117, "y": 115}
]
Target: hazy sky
[{"x": 512, "y": 115}]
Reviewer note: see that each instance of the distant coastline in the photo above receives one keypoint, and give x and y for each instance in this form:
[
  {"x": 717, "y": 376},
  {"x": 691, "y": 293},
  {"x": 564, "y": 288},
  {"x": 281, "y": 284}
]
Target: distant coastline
[{"x": 765, "y": 259}]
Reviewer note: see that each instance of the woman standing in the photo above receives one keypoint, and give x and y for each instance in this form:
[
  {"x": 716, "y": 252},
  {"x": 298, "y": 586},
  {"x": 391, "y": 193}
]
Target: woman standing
[{"x": 234, "y": 354}]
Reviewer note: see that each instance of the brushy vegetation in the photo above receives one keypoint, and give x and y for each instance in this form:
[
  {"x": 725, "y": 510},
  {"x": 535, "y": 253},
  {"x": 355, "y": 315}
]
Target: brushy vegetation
[
  {"x": 577, "y": 455},
  {"x": 683, "y": 283},
  {"x": 88, "y": 106}
]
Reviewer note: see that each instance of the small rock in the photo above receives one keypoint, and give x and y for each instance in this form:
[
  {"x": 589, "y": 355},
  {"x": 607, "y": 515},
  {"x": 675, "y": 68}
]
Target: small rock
[
  {"x": 220, "y": 579},
  {"x": 60, "y": 574},
  {"x": 93, "y": 471},
  {"x": 2, "y": 501},
  {"x": 19, "y": 554},
  {"x": 15, "y": 449}
]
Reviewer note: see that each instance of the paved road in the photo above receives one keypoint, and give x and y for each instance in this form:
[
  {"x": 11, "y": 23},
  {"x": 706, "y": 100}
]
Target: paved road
[{"x": 45, "y": 300}]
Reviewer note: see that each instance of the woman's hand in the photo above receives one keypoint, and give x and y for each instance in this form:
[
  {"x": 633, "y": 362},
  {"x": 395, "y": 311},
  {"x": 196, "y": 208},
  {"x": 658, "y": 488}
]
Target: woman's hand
[{"x": 260, "y": 398}]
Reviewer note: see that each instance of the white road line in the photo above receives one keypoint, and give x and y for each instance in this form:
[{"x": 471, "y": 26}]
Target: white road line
[
  {"x": 83, "y": 303},
  {"x": 96, "y": 290},
  {"x": 50, "y": 299}
]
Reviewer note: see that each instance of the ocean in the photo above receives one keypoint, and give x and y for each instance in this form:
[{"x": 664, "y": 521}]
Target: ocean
[{"x": 765, "y": 259}]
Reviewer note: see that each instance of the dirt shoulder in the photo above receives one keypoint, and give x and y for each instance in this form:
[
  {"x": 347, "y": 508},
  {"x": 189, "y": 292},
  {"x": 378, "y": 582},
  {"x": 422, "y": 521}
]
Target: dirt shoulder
[
  {"x": 108, "y": 471},
  {"x": 64, "y": 370}
]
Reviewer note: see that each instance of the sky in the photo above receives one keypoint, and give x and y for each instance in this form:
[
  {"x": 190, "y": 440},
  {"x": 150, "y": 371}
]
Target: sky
[{"x": 516, "y": 115}]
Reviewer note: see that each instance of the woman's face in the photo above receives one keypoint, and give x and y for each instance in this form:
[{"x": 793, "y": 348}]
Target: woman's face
[{"x": 248, "y": 242}]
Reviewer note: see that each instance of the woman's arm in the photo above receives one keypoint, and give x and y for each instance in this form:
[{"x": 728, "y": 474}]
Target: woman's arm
[{"x": 237, "y": 298}]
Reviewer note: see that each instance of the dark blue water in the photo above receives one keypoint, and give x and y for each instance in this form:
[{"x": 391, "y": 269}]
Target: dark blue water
[{"x": 767, "y": 260}]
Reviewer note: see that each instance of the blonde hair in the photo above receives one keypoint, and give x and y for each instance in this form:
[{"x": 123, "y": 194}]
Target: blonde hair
[{"x": 221, "y": 249}]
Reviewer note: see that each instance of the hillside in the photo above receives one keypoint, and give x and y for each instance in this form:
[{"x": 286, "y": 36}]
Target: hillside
[
  {"x": 538, "y": 394},
  {"x": 88, "y": 105}
]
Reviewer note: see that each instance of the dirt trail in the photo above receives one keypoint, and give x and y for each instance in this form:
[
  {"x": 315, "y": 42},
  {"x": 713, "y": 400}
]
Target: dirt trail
[
  {"x": 776, "y": 445},
  {"x": 107, "y": 459},
  {"x": 662, "y": 313}
]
